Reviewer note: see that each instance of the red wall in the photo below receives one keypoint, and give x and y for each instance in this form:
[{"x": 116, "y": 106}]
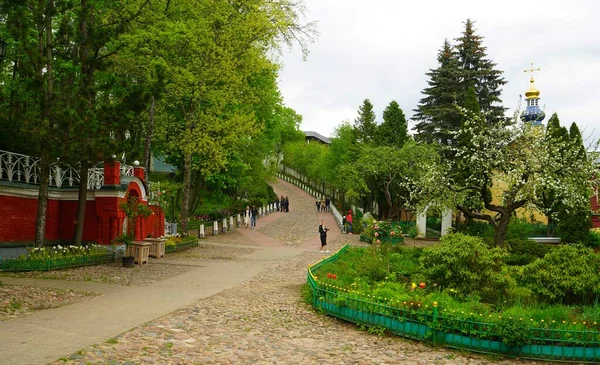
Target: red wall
[
  {"x": 17, "y": 224},
  {"x": 66, "y": 223},
  {"x": 103, "y": 220}
]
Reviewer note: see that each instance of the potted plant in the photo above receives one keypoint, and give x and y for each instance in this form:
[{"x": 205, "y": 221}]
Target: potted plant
[
  {"x": 133, "y": 209},
  {"x": 126, "y": 240}
]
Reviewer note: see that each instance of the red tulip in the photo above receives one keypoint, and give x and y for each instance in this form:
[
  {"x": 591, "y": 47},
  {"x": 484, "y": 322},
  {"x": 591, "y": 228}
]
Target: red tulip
[
  {"x": 422, "y": 285},
  {"x": 334, "y": 276},
  {"x": 329, "y": 275}
]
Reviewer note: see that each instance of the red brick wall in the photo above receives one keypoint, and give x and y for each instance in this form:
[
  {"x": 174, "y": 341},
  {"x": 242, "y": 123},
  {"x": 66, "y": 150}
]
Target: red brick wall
[{"x": 17, "y": 219}]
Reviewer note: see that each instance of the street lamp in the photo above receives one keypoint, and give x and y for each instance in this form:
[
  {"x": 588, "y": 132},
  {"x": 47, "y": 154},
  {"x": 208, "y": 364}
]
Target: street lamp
[{"x": 2, "y": 49}]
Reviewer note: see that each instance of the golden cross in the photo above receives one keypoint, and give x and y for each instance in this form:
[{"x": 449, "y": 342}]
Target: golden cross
[{"x": 532, "y": 69}]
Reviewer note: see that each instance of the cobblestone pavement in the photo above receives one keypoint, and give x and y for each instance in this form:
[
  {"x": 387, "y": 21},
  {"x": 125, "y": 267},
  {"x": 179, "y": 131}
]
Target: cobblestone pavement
[
  {"x": 20, "y": 300},
  {"x": 296, "y": 226},
  {"x": 265, "y": 321}
]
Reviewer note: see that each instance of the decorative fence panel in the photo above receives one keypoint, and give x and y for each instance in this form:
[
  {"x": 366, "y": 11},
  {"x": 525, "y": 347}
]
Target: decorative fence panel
[
  {"x": 15, "y": 167},
  {"x": 426, "y": 324}
]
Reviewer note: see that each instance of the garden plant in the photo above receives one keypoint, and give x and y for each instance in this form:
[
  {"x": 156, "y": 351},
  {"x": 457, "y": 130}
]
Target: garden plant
[{"x": 476, "y": 292}]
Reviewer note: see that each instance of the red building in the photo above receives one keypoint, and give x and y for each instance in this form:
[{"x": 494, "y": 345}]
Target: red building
[{"x": 103, "y": 219}]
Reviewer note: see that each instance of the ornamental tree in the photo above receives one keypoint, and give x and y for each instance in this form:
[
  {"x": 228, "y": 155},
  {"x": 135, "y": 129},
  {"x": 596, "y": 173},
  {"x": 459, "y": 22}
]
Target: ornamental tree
[{"x": 507, "y": 165}]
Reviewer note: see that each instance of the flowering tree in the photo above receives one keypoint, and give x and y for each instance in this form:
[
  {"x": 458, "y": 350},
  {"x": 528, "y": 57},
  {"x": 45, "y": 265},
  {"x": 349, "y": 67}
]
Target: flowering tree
[
  {"x": 503, "y": 167},
  {"x": 394, "y": 170}
]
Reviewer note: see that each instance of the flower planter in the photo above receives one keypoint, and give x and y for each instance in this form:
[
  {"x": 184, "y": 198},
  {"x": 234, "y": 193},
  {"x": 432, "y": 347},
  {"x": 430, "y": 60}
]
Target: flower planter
[
  {"x": 127, "y": 261},
  {"x": 157, "y": 247},
  {"x": 140, "y": 251}
]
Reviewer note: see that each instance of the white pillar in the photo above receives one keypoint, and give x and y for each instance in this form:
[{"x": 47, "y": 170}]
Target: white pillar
[
  {"x": 224, "y": 228},
  {"x": 422, "y": 223},
  {"x": 239, "y": 220},
  {"x": 215, "y": 228},
  {"x": 201, "y": 231},
  {"x": 446, "y": 220},
  {"x": 231, "y": 226}
]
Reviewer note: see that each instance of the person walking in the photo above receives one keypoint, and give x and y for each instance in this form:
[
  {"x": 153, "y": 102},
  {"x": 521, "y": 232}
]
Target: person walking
[
  {"x": 254, "y": 215},
  {"x": 349, "y": 221},
  {"x": 322, "y": 204},
  {"x": 327, "y": 204},
  {"x": 323, "y": 233},
  {"x": 247, "y": 215},
  {"x": 318, "y": 204},
  {"x": 287, "y": 204}
]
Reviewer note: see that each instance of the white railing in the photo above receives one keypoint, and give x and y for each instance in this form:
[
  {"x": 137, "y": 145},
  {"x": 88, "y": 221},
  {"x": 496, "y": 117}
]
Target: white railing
[{"x": 15, "y": 167}]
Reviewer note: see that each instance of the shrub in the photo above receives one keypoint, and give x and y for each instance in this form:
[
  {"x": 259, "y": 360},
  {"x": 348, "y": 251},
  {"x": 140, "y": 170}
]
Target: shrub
[
  {"x": 594, "y": 238},
  {"x": 574, "y": 226},
  {"x": 524, "y": 251},
  {"x": 568, "y": 273},
  {"x": 466, "y": 264}
]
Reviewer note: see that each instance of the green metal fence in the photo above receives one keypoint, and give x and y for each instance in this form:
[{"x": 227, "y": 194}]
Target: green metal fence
[
  {"x": 425, "y": 323},
  {"x": 56, "y": 263},
  {"x": 185, "y": 244}
]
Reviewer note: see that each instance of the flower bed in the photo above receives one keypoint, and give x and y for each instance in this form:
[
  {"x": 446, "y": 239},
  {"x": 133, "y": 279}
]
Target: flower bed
[
  {"x": 58, "y": 257},
  {"x": 372, "y": 286},
  {"x": 173, "y": 244},
  {"x": 382, "y": 232}
]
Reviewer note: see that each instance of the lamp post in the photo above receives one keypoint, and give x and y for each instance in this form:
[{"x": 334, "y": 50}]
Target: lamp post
[{"x": 2, "y": 49}]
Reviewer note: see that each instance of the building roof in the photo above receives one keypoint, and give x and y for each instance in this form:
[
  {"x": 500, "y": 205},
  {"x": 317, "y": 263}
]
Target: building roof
[{"x": 315, "y": 135}]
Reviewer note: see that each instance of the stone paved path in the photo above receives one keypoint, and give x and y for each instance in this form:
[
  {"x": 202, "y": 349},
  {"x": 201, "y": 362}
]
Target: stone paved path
[{"x": 260, "y": 319}]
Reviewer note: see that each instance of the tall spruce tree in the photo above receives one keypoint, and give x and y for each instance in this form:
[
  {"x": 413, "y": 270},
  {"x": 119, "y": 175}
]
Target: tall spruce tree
[
  {"x": 364, "y": 125},
  {"x": 393, "y": 132},
  {"x": 436, "y": 113},
  {"x": 480, "y": 72}
]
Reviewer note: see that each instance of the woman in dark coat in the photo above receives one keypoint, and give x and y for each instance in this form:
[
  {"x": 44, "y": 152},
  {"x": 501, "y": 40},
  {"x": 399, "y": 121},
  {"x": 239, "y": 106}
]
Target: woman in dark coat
[{"x": 323, "y": 233}]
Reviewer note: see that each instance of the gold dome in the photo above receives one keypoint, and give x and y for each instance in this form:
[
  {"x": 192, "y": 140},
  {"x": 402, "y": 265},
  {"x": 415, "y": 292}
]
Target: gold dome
[{"x": 532, "y": 92}]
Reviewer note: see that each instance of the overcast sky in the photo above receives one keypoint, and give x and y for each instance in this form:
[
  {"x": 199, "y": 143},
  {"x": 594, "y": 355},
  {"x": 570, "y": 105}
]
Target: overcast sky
[{"x": 381, "y": 50}]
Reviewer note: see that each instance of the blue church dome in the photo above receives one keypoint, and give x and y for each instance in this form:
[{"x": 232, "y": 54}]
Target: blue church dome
[{"x": 532, "y": 114}]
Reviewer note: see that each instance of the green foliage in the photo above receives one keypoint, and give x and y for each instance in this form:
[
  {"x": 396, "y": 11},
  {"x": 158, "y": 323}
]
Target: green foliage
[
  {"x": 364, "y": 125},
  {"x": 436, "y": 115},
  {"x": 413, "y": 232},
  {"x": 307, "y": 294},
  {"x": 594, "y": 238},
  {"x": 524, "y": 251},
  {"x": 512, "y": 316},
  {"x": 393, "y": 132},
  {"x": 512, "y": 332},
  {"x": 465, "y": 264},
  {"x": 574, "y": 226},
  {"x": 568, "y": 274}
]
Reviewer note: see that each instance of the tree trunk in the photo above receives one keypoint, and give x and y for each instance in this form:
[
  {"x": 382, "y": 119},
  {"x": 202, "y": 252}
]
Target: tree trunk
[
  {"x": 147, "y": 144},
  {"x": 46, "y": 54},
  {"x": 501, "y": 229},
  {"x": 187, "y": 172},
  {"x": 40, "y": 221},
  {"x": 81, "y": 204},
  {"x": 388, "y": 199}
]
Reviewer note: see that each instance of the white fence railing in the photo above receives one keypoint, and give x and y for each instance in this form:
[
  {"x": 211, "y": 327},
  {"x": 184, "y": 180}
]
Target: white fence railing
[{"x": 15, "y": 167}]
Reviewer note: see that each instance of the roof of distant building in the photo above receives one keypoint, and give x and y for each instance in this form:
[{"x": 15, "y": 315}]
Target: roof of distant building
[{"x": 315, "y": 135}]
